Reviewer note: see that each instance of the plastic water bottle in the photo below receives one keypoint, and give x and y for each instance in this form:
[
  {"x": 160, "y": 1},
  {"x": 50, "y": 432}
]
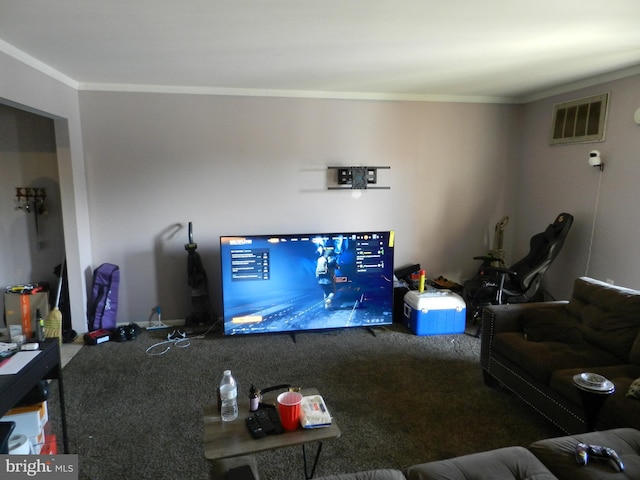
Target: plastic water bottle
[{"x": 228, "y": 397}]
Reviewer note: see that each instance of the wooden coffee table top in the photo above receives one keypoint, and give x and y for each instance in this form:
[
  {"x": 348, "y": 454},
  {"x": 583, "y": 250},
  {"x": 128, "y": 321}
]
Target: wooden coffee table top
[{"x": 231, "y": 439}]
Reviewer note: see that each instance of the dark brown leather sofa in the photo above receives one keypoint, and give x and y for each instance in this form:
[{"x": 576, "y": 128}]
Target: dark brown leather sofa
[{"x": 535, "y": 350}]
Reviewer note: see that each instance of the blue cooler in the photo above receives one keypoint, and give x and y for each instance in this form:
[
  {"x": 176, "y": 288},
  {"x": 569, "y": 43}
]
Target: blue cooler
[{"x": 434, "y": 312}]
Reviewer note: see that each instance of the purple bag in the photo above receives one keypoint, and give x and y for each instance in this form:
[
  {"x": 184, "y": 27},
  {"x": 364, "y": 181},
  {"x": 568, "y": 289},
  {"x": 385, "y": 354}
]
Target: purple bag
[{"x": 103, "y": 305}]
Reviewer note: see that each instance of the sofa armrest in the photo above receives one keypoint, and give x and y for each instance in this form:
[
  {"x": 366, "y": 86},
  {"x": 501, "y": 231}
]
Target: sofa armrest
[
  {"x": 382, "y": 474},
  {"x": 506, "y": 318},
  {"x": 508, "y": 463}
]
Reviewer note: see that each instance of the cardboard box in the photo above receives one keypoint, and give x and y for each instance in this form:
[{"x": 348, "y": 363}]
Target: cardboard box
[
  {"x": 21, "y": 309},
  {"x": 30, "y": 420},
  {"x": 434, "y": 313}
]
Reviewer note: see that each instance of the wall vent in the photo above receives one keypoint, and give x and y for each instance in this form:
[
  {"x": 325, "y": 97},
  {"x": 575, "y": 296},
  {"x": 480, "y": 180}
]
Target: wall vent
[{"x": 580, "y": 121}]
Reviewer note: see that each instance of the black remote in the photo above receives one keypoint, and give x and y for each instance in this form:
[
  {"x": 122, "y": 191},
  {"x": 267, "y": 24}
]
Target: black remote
[
  {"x": 262, "y": 417},
  {"x": 275, "y": 420},
  {"x": 269, "y": 420},
  {"x": 254, "y": 428}
]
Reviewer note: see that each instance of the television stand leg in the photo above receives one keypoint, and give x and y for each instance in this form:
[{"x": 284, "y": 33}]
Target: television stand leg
[
  {"x": 293, "y": 337},
  {"x": 372, "y": 331}
]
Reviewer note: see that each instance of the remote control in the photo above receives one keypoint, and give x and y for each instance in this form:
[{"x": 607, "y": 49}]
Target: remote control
[
  {"x": 269, "y": 420},
  {"x": 275, "y": 420},
  {"x": 254, "y": 428},
  {"x": 262, "y": 417}
]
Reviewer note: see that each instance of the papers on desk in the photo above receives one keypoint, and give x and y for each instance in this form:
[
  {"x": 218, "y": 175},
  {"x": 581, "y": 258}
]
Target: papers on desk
[{"x": 17, "y": 362}]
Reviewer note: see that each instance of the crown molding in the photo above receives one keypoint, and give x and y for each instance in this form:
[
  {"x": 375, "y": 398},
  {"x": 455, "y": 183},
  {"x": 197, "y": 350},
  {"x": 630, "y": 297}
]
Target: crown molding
[
  {"x": 312, "y": 94},
  {"x": 42, "y": 67},
  {"x": 579, "y": 84}
]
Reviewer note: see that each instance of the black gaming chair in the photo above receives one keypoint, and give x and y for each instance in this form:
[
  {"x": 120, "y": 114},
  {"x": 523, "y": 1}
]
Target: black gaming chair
[{"x": 521, "y": 282}]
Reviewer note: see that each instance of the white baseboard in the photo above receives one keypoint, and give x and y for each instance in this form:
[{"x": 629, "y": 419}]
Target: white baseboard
[{"x": 176, "y": 322}]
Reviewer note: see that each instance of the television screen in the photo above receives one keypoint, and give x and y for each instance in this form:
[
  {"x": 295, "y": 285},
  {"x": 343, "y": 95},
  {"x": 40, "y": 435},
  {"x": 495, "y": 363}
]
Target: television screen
[{"x": 288, "y": 283}]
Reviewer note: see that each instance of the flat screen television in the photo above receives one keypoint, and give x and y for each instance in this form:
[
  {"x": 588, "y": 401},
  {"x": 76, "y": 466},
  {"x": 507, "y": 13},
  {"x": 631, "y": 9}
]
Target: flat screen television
[{"x": 290, "y": 283}]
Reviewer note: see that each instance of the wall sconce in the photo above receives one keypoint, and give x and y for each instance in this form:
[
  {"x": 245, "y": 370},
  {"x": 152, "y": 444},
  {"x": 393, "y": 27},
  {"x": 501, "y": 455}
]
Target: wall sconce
[
  {"x": 595, "y": 160},
  {"x": 357, "y": 178}
]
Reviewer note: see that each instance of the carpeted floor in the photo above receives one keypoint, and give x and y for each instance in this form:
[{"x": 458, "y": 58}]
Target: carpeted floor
[{"x": 399, "y": 399}]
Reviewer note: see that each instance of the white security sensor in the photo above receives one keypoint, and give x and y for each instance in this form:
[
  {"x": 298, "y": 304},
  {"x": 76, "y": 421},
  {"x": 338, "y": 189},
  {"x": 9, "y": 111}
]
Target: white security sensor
[{"x": 594, "y": 159}]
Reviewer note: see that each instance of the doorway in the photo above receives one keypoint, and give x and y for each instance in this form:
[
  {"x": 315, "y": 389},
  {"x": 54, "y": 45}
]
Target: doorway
[{"x": 31, "y": 232}]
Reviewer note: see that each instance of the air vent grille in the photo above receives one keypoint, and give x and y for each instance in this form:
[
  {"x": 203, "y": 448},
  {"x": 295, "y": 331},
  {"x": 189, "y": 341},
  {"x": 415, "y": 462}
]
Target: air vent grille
[{"x": 580, "y": 121}]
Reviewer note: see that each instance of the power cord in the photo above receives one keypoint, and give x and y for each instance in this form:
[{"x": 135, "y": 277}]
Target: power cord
[
  {"x": 180, "y": 341},
  {"x": 593, "y": 224},
  {"x": 176, "y": 339}
]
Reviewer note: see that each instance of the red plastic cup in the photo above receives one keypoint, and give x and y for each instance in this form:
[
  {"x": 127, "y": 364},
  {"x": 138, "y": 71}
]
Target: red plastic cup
[{"x": 289, "y": 409}]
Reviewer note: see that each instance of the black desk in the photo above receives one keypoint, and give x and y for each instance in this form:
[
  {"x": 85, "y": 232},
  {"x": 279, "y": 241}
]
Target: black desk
[{"x": 46, "y": 365}]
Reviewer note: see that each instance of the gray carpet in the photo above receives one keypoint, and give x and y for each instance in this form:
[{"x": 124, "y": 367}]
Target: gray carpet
[{"x": 399, "y": 399}]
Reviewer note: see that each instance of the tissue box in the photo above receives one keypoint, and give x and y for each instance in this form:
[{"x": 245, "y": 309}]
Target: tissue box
[{"x": 434, "y": 312}]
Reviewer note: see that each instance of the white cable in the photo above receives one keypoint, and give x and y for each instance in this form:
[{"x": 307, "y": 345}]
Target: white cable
[
  {"x": 181, "y": 342},
  {"x": 593, "y": 226},
  {"x": 177, "y": 342}
]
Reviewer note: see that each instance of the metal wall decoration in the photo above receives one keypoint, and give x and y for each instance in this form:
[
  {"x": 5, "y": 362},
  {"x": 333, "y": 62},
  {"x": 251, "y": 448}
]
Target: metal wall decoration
[{"x": 32, "y": 199}]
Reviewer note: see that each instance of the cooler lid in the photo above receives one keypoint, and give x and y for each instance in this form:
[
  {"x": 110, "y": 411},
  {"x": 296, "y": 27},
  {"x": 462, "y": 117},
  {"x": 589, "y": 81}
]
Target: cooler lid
[{"x": 434, "y": 300}]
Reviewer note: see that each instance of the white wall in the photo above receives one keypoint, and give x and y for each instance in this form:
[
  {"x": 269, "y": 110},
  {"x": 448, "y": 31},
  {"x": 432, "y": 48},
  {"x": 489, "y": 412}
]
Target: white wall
[
  {"x": 235, "y": 165},
  {"x": 557, "y": 178}
]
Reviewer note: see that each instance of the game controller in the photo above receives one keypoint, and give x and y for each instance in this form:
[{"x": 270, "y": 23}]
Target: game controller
[{"x": 584, "y": 452}]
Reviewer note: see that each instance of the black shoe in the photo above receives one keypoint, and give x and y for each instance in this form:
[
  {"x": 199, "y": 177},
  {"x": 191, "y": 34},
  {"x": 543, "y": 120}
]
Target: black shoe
[
  {"x": 119, "y": 334},
  {"x": 132, "y": 331}
]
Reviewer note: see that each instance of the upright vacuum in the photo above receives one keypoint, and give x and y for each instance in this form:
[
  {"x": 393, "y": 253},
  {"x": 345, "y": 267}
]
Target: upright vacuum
[{"x": 202, "y": 316}]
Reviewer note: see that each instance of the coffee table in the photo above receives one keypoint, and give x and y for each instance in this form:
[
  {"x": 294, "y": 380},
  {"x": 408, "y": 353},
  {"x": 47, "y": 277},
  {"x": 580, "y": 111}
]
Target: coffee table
[{"x": 232, "y": 439}]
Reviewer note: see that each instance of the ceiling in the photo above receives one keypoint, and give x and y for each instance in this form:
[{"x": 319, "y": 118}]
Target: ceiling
[{"x": 388, "y": 49}]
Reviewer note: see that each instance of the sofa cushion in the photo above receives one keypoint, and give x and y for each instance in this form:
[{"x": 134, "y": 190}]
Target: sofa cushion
[
  {"x": 382, "y": 474},
  {"x": 558, "y": 454},
  {"x": 541, "y": 359},
  {"x": 610, "y": 315},
  {"x": 634, "y": 354},
  {"x": 551, "y": 324},
  {"x": 503, "y": 463},
  {"x": 618, "y": 410}
]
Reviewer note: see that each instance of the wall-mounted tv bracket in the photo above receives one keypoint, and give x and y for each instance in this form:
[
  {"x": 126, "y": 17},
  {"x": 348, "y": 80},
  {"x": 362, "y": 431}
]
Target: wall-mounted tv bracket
[{"x": 357, "y": 178}]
